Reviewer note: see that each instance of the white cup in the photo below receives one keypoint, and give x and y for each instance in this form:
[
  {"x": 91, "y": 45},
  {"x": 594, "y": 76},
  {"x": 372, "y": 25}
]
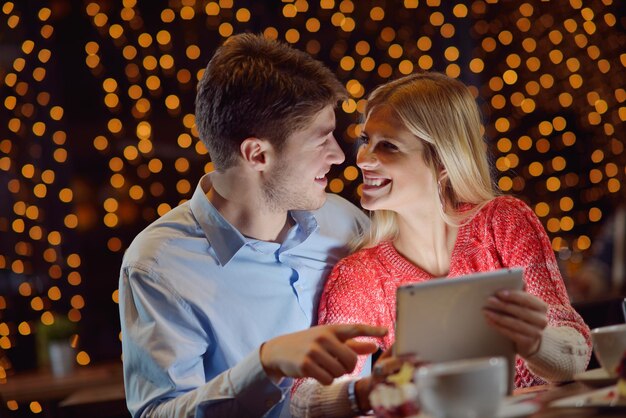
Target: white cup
[
  {"x": 472, "y": 388},
  {"x": 61, "y": 358},
  {"x": 609, "y": 346}
]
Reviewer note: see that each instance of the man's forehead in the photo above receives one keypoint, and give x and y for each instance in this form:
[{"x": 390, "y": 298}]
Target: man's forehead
[
  {"x": 319, "y": 126},
  {"x": 324, "y": 120}
]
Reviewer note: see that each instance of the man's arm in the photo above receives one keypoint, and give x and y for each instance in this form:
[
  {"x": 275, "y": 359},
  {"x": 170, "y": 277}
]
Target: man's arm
[
  {"x": 164, "y": 366},
  {"x": 323, "y": 352},
  {"x": 164, "y": 348},
  {"x": 244, "y": 390}
]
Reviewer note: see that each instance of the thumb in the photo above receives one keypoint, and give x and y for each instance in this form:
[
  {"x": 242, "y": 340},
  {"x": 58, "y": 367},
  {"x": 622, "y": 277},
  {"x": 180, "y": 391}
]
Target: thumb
[{"x": 362, "y": 347}]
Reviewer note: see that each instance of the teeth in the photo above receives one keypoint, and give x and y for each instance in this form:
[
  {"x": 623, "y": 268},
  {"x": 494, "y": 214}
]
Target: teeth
[
  {"x": 319, "y": 177},
  {"x": 373, "y": 182}
]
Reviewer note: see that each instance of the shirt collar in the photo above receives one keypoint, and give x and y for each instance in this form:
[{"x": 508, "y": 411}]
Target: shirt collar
[
  {"x": 305, "y": 220},
  {"x": 224, "y": 238}
]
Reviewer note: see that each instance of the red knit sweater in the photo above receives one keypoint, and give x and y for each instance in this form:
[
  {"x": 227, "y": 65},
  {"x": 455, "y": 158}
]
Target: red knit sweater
[{"x": 505, "y": 233}]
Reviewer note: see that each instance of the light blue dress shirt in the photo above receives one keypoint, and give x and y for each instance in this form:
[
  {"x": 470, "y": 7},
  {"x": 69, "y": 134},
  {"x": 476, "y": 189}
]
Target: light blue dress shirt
[{"x": 197, "y": 299}]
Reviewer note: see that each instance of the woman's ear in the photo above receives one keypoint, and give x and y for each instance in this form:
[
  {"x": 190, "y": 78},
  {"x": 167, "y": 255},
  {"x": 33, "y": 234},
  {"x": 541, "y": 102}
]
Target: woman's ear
[{"x": 256, "y": 153}]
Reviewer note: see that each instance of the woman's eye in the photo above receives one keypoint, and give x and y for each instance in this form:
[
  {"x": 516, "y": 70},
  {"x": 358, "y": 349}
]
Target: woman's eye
[
  {"x": 363, "y": 139},
  {"x": 388, "y": 146}
]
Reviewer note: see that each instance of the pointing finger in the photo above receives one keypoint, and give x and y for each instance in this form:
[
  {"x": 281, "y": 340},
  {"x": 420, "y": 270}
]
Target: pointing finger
[
  {"x": 347, "y": 331},
  {"x": 362, "y": 347}
]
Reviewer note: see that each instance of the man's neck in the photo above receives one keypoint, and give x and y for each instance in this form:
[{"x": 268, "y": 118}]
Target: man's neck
[{"x": 241, "y": 203}]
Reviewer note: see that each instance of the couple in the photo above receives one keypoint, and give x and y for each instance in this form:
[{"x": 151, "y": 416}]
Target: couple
[{"x": 217, "y": 296}]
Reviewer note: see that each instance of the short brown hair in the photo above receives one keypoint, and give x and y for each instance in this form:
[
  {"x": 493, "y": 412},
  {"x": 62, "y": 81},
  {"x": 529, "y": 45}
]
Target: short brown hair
[{"x": 257, "y": 87}]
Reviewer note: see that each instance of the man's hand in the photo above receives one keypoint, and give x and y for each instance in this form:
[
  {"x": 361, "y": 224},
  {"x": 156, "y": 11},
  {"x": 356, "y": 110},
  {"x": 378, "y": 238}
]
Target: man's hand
[
  {"x": 520, "y": 316},
  {"x": 322, "y": 352}
]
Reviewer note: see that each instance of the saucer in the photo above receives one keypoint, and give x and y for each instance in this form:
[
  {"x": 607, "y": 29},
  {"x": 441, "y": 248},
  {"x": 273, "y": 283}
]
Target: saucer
[
  {"x": 599, "y": 398},
  {"x": 512, "y": 407},
  {"x": 595, "y": 378}
]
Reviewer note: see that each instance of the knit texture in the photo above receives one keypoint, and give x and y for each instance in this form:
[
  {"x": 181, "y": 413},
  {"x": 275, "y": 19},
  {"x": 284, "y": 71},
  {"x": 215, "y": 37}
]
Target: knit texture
[{"x": 503, "y": 234}]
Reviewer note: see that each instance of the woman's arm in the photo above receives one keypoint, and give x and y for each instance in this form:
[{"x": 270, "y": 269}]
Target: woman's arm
[{"x": 564, "y": 345}]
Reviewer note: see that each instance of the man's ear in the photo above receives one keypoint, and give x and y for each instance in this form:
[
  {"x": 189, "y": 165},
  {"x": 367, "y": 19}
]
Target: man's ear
[{"x": 257, "y": 153}]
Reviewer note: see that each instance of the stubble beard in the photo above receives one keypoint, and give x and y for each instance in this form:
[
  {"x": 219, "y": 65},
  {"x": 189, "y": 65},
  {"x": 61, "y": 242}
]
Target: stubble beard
[{"x": 281, "y": 192}]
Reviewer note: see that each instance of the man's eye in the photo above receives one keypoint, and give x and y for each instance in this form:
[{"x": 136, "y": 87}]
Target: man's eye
[{"x": 362, "y": 139}]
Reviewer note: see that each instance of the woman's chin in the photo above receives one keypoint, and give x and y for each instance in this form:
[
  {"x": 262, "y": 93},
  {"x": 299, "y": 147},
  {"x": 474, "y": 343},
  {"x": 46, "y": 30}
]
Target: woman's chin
[
  {"x": 368, "y": 204},
  {"x": 365, "y": 204}
]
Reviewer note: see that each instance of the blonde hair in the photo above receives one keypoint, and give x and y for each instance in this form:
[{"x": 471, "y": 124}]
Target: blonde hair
[{"x": 442, "y": 112}]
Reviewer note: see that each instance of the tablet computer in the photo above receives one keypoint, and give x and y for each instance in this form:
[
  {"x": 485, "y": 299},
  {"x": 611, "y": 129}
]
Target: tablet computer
[{"x": 442, "y": 319}]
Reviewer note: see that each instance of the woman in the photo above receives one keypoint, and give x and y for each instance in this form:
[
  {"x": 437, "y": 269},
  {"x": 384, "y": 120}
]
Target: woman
[{"x": 427, "y": 180}]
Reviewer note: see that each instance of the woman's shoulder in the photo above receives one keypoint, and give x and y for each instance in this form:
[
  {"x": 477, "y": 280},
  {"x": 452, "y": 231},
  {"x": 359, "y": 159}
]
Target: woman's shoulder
[
  {"x": 503, "y": 214},
  {"x": 506, "y": 216},
  {"x": 353, "y": 274},
  {"x": 504, "y": 206},
  {"x": 508, "y": 201},
  {"x": 363, "y": 258}
]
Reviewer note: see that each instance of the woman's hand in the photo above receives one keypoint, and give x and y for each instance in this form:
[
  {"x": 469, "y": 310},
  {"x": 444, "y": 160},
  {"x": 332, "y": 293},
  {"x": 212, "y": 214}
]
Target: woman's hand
[{"x": 519, "y": 316}]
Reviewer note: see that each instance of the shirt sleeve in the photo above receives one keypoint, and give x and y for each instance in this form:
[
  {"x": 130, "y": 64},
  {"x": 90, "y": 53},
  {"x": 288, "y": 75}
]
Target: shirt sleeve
[
  {"x": 348, "y": 298},
  {"x": 521, "y": 241},
  {"x": 164, "y": 348}
]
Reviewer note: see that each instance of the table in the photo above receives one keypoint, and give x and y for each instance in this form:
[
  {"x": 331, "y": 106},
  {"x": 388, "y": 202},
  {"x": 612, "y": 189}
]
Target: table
[
  {"x": 41, "y": 385},
  {"x": 544, "y": 395},
  {"x": 95, "y": 389},
  {"x": 106, "y": 401},
  {"x": 98, "y": 391}
]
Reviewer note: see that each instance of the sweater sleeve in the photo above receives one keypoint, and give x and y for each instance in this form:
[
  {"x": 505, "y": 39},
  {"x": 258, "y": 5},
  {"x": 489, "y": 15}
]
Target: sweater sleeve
[
  {"x": 521, "y": 241},
  {"x": 563, "y": 352},
  {"x": 352, "y": 295}
]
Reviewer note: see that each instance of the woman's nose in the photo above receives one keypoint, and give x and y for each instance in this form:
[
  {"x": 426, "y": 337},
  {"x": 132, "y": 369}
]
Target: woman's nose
[{"x": 366, "y": 158}]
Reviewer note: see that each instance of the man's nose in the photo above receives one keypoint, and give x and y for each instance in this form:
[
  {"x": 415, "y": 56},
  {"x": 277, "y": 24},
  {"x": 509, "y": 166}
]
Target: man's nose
[{"x": 335, "y": 154}]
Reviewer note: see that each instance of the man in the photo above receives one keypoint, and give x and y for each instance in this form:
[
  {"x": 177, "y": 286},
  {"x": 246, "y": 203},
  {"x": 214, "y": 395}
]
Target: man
[{"x": 206, "y": 289}]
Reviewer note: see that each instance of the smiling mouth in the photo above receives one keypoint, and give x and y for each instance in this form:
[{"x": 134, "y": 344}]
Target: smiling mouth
[
  {"x": 375, "y": 183},
  {"x": 322, "y": 180}
]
